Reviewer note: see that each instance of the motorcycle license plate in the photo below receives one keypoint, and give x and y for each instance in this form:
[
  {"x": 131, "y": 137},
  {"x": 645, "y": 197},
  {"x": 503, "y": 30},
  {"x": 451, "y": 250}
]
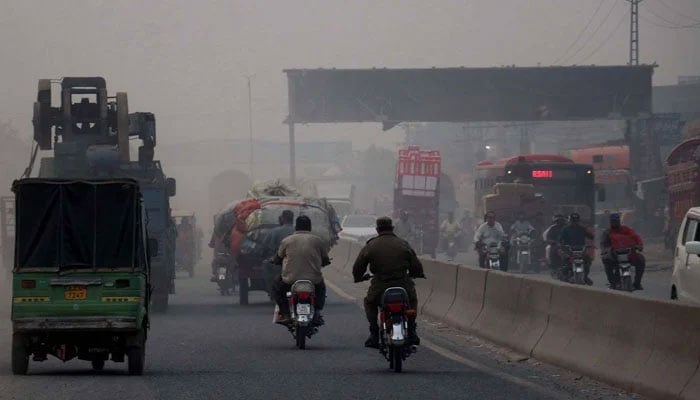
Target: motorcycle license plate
[
  {"x": 525, "y": 252},
  {"x": 303, "y": 309},
  {"x": 222, "y": 277},
  {"x": 75, "y": 293}
]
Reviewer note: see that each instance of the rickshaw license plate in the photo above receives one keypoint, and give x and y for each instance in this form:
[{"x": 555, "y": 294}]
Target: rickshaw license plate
[{"x": 76, "y": 293}]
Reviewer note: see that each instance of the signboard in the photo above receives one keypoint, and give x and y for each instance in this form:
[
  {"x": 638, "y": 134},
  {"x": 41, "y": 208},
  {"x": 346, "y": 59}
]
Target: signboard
[
  {"x": 667, "y": 128},
  {"x": 391, "y": 96}
]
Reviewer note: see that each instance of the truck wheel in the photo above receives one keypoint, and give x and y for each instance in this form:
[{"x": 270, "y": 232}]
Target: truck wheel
[
  {"x": 243, "y": 291},
  {"x": 160, "y": 302},
  {"x": 137, "y": 355},
  {"x": 98, "y": 365},
  {"x": 20, "y": 355}
]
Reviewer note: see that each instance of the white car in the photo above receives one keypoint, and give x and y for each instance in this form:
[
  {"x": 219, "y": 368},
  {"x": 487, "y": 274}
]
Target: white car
[
  {"x": 685, "y": 281},
  {"x": 360, "y": 228}
]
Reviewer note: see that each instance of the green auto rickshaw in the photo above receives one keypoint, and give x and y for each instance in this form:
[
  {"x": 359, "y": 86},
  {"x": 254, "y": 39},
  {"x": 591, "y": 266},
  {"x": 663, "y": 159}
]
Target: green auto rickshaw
[{"x": 81, "y": 285}]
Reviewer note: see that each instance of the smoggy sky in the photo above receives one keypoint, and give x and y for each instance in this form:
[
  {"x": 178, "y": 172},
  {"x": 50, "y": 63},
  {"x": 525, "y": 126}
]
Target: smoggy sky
[{"x": 187, "y": 60}]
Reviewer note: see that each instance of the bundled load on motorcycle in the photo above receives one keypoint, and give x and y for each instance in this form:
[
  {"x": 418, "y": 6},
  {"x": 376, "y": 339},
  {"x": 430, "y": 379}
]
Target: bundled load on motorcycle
[{"x": 242, "y": 228}]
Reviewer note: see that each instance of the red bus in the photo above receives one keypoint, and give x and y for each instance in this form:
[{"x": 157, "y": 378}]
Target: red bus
[{"x": 567, "y": 186}]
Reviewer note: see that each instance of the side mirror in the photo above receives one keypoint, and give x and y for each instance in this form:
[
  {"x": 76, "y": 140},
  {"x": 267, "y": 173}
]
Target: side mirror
[
  {"x": 601, "y": 193},
  {"x": 692, "y": 248},
  {"x": 153, "y": 247},
  {"x": 171, "y": 186}
]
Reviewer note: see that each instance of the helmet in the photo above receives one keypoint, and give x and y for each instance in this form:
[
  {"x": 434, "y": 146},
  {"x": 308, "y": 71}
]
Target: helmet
[
  {"x": 574, "y": 217},
  {"x": 614, "y": 217}
]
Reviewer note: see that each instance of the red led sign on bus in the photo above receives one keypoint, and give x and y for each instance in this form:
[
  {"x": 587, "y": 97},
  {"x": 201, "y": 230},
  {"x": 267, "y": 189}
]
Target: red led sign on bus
[{"x": 538, "y": 173}]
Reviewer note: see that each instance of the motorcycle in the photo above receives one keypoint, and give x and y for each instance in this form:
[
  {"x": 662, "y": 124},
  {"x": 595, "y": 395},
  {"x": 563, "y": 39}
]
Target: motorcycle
[
  {"x": 451, "y": 247},
  {"x": 492, "y": 252},
  {"x": 224, "y": 274},
  {"x": 573, "y": 270},
  {"x": 301, "y": 299},
  {"x": 523, "y": 254},
  {"x": 623, "y": 269}
]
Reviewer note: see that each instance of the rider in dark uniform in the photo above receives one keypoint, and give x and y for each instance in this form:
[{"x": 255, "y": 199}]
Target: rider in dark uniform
[{"x": 393, "y": 263}]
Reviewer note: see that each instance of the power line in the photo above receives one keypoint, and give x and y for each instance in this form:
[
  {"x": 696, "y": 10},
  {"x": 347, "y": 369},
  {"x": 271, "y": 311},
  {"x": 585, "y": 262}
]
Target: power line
[
  {"x": 605, "y": 19},
  {"x": 607, "y": 39},
  {"x": 580, "y": 34},
  {"x": 671, "y": 24},
  {"x": 663, "y": 3},
  {"x": 659, "y": 25}
]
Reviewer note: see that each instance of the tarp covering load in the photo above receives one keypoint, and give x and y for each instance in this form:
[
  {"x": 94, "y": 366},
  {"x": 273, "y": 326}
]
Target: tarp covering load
[
  {"x": 244, "y": 225},
  {"x": 65, "y": 224},
  {"x": 274, "y": 188}
]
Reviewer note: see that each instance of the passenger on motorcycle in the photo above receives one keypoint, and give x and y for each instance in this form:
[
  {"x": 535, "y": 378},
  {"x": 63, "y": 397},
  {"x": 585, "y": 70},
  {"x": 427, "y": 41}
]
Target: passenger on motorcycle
[
  {"x": 574, "y": 234},
  {"x": 551, "y": 237},
  {"x": 393, "y": 263},
  {"x": 616, "y": 237},
  {"x": 491, "y": 232},
  {"x": 302, "y": 256},
  {"x": 403, "y": 227},
  {"x": 271, "y": 244}
]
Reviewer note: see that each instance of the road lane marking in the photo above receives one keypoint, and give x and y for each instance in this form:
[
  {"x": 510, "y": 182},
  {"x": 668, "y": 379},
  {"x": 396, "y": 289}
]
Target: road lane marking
[{"x": 450, "y": 355}]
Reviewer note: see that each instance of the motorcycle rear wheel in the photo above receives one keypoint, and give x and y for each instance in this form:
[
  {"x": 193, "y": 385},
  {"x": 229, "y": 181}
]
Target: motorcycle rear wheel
[
  {"x": 579, "y": 279},
  {"x": 627, "y": 283},
  {"x": 397, "y": 357},
  {"x": 301, "y": 337}
]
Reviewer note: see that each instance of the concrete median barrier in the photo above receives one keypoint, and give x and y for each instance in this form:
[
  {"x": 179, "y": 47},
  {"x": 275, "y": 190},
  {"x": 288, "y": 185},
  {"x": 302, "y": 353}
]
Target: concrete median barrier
[
  {"x": 672, "y": 367},
  {"x": 443, "y": 277},
  {"x": 515, "y": 311},
  {"x": 469, "y": 297},
  {"x": 604, "y": 335}
]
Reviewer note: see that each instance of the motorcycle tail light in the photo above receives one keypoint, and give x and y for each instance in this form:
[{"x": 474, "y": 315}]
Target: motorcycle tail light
[
  {"x": 394, "y": 307},
  {"x": 304, "y": 296}
]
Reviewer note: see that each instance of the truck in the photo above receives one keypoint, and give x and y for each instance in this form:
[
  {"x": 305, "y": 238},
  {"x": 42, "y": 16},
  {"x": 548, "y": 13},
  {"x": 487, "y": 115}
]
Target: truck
[
  {"x": 417, "y": 191},
  {"x": 89, "y": 134},
  {"x": 682, "y": 186}
]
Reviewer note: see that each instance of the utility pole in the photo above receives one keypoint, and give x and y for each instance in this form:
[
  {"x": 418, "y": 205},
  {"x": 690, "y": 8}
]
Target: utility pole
[
  {"x": 634, "y": 31},
  {"x": 250, "y": 128}
]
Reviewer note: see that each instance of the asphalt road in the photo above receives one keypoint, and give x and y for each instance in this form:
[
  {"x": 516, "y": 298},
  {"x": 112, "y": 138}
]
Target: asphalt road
[{"x": 207, "y": 347}]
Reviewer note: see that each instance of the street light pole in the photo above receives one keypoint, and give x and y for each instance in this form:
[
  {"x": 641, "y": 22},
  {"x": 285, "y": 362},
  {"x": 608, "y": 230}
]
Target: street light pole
[{"x": 250, "y": 128}]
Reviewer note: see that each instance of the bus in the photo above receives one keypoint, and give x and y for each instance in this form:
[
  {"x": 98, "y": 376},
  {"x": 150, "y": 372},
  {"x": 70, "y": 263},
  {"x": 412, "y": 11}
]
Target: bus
[
  {"x": 611, "y": 164},
  {"x": 566, "y": 186}
]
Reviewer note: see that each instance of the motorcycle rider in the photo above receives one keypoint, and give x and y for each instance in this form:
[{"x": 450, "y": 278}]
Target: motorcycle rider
[
  {"x": 449, "y": 229},
  {"x": 520, "y": 227},
  {"x": 490, "y": 232},
  {"x": 302, "y": 255},
  {"x": 403, "y": 227},
  {"x": 574, "y": 234},
  {"x": 621, "y": 236},
  {"x": 551, "y": 237},
  {"x": 393, "y": 263},
  {"x": 272, "y": 242}
]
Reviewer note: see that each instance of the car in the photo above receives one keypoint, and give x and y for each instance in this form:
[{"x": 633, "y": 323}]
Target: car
[
  {"x": 685, "y": 281},
  {"x": 359, "y": 228}
]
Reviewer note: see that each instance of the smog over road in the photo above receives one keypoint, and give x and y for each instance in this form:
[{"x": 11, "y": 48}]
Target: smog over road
[{"x": 367, "y": 199}]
